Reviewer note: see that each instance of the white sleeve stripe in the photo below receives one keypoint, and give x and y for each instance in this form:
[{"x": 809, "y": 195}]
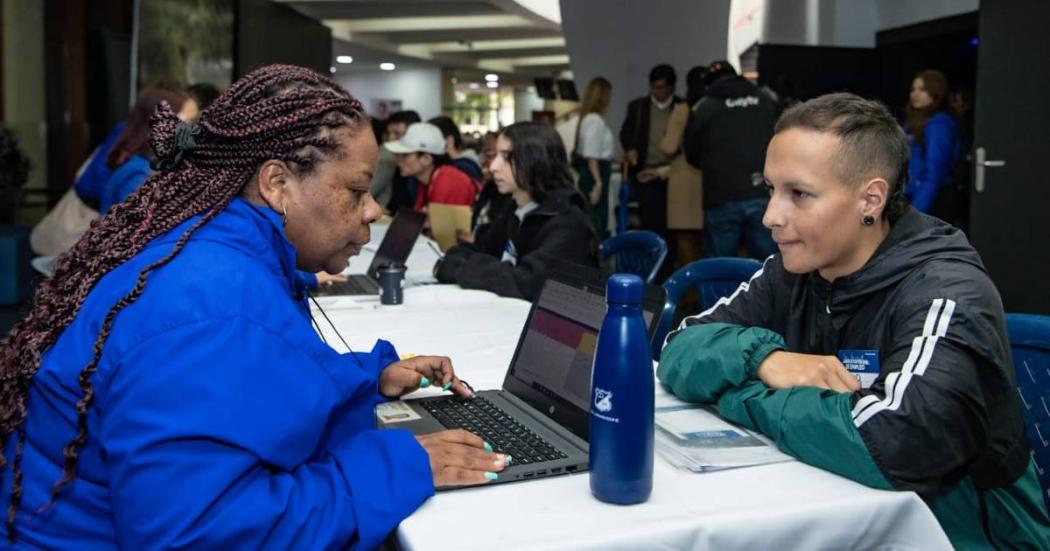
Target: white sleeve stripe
[
  {"x": 917, "y": 343},
  {"x": 949, "y": 309},
  {"x": 936, "y": 326},
  {"x": 917, "y": 348},
  {"x": 745, "y": 286}
]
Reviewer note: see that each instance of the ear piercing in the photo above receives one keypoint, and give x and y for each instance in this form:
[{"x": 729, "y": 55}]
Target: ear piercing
[{"x": 869, "y": 220}]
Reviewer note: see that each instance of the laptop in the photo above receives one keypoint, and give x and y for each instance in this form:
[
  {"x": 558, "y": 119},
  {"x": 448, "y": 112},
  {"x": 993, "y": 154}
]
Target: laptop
[
  {"x": 541, "y": 416},
  {"x": 397, "y": 244}
]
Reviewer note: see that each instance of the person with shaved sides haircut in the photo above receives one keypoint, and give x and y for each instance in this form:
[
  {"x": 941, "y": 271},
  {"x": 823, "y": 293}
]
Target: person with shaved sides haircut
[{"x": 873, "y": 344}]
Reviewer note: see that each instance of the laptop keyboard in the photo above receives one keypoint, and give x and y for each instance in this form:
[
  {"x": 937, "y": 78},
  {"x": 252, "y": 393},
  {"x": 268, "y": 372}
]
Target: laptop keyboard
[
  {"x": 495, "y": 426},
  {"x": 354, "y": 285}
]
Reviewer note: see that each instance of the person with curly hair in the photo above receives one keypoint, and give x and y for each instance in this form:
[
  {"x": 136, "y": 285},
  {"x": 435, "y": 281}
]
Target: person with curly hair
[
  {"x": 14, "y": 171},
  {"x": 167, "y": 389}
]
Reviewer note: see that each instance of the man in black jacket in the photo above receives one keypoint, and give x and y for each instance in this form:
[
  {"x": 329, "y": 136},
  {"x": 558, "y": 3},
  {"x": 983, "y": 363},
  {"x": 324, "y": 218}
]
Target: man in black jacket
[
  {"x": 640, "y": 135},
  {"x": 726, "y": 139}
]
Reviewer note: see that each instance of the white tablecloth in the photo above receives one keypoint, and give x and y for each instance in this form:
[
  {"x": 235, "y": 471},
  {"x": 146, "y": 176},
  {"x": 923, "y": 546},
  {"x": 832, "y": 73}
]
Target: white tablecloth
[{"x": 787, "y": 505}]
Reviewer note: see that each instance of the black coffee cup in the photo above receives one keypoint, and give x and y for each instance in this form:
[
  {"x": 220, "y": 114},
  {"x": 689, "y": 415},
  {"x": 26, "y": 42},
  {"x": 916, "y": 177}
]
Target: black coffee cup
[{"x": 391, "y": 283}]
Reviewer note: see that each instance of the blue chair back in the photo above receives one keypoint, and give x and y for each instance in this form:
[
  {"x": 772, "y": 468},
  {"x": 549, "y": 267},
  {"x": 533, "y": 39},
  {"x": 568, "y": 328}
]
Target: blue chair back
[
  {"x": 1030, "y": 343},
  {"x": 713, "y": 279},
  {"x": 636, "y": 252}
]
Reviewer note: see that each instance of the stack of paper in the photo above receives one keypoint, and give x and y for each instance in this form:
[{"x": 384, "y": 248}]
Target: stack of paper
[{"x": 694, "y": 437}]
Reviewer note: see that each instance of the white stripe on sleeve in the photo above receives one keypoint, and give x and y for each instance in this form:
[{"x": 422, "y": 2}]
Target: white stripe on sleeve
[{"x": 936, "y": 326}]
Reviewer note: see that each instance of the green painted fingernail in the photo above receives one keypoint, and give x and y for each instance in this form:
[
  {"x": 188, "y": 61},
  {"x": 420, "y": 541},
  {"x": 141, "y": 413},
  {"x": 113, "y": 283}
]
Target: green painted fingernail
[
  {"x": 491, "y": 476},
  {"x": 447, "y": 386},
  {"x": 488, "y": 448},
  {"x": 424, "y": 383},
  {"x": 510, "y": 460}
]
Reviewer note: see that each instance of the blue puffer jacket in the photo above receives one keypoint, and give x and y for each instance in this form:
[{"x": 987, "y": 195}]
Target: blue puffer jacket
[
  {"x": 931, "y": 162},
  {"x": 90, "y": 183},
  {"x": 124, "y": 180},
  {"x": 220, "y": 419}
]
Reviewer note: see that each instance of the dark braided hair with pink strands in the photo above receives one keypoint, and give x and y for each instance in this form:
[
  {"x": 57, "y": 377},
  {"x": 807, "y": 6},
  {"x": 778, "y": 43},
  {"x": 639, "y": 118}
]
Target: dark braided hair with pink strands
[{"x": 276, "y": 112}]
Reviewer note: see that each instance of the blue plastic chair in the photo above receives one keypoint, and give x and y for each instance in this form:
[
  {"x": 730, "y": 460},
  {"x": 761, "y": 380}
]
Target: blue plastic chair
[
  {"x": 713, "y": 279},
  {"x": 1030, "y": 343},
  {"x": 636, "y": 252}
]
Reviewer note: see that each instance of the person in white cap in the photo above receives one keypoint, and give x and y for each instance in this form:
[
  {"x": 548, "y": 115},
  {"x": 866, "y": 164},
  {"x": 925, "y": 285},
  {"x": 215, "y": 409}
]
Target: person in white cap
[{"x": 420, "y": 153}]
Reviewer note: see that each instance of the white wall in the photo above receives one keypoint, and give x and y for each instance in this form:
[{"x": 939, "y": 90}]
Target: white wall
[
  {"x": 850, "y": 23},
  {"x": 525, "y": 102},
  {"x": 418, "y": 89},
  {"x": 23, "y": 39},
  {"x": 622, "y": 39},
  {"x": 897, "y": 14},
  {"x": 746, "y": 22}
]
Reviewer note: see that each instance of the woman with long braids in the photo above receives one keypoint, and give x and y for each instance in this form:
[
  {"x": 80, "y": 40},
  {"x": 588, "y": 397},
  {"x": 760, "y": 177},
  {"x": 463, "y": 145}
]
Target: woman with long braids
[{"x": 167, "y": 388}]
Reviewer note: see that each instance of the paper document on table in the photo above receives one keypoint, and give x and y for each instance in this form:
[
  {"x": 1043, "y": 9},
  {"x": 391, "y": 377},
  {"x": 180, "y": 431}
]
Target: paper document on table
[
  {"x": 446, "y": 220},
  {"x": 694, "y": 437}
]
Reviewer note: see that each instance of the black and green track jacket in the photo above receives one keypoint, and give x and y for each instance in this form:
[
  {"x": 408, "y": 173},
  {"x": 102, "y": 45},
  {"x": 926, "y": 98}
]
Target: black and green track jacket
[{"x": 941, "y": 419}]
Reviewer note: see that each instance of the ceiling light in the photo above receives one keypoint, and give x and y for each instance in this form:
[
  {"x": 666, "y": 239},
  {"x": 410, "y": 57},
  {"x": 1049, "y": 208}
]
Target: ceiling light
[
  {"x": 492, "y": 84},
  {"x": 387, "y": 66},
  {"x": 344, "y": 59},
  {"x": 332, "y": 70},
  {"x": 492, "y": 77},
  {"x": 474, "y": 86}
]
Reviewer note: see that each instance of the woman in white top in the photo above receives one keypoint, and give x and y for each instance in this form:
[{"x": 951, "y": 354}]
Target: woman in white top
[{"x": 593, "y": 151}]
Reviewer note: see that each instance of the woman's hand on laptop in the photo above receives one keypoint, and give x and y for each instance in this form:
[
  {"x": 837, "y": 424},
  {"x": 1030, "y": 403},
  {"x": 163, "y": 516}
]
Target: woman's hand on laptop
[
  {"x": 325, "y": 277},
  {"x": 459, "y": 458},
  {"x": 408, "y": 375}
]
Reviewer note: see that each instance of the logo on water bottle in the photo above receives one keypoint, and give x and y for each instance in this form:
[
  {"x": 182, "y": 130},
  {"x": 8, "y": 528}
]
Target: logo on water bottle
[{"x": 602, "y": 400}]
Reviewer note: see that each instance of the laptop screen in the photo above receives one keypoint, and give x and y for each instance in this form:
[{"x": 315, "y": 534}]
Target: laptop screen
[
  {"x": 551, "y": 369},
  {"x": 398, "y": 242}
]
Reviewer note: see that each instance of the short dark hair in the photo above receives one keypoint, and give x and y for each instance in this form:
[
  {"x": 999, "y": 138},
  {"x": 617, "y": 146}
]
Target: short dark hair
[
  {"x": 448, "y": 128},
  {"x": 872, "y": 143},
  {"x": 14, "y": 165},
  {"x": 538, "y": 158},
  {"x": 407, "y": 117},
  {"x": 663, "y": 72},
  {"x": 203, "y": 93}
]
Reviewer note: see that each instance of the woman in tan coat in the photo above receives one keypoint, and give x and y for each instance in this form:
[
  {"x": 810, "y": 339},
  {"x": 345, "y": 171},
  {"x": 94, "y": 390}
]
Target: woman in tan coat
[{"x": 685, "y": 211}]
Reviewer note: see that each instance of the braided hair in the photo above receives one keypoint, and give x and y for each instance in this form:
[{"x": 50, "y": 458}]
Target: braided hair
[{"x": 276, "y": 112}]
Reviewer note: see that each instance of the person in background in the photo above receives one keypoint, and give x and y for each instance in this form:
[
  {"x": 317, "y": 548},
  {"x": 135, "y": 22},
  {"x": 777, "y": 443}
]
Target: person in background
[
  {"x": 593, "y": 152},
  {"x": 726, "y": 139},
  {"x": 643, "y": 126},
  {"x": 929, "y": 403},
  {"x": 397, "y": 190},
  {"x": 203, "y": 93},
  {"x": 129, "y": 156},
  {"x": 95, "y": 172},
  {"x": 14, "y": 171},
  {"x": 420, "y": 154},
  {"x": 550, "y": 221},
  {"x": 685, "y": 207},
  {"x": 465, "y": 160},
  {"x": 167, "y": 388},
  {"x": 490, "y": 205},
  {"x": 934, "y": 140}
]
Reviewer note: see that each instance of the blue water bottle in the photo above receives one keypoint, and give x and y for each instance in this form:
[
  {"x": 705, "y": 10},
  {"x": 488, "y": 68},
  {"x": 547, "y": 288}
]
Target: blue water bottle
[{"x": 622, "y": 394}]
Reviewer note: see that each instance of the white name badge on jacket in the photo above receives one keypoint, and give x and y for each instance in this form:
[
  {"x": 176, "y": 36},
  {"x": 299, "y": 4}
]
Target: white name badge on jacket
[{"x": 862, "y": 364}]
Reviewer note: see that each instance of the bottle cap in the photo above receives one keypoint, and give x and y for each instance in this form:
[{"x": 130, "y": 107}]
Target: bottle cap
[{"x": 624, "y": 289}]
